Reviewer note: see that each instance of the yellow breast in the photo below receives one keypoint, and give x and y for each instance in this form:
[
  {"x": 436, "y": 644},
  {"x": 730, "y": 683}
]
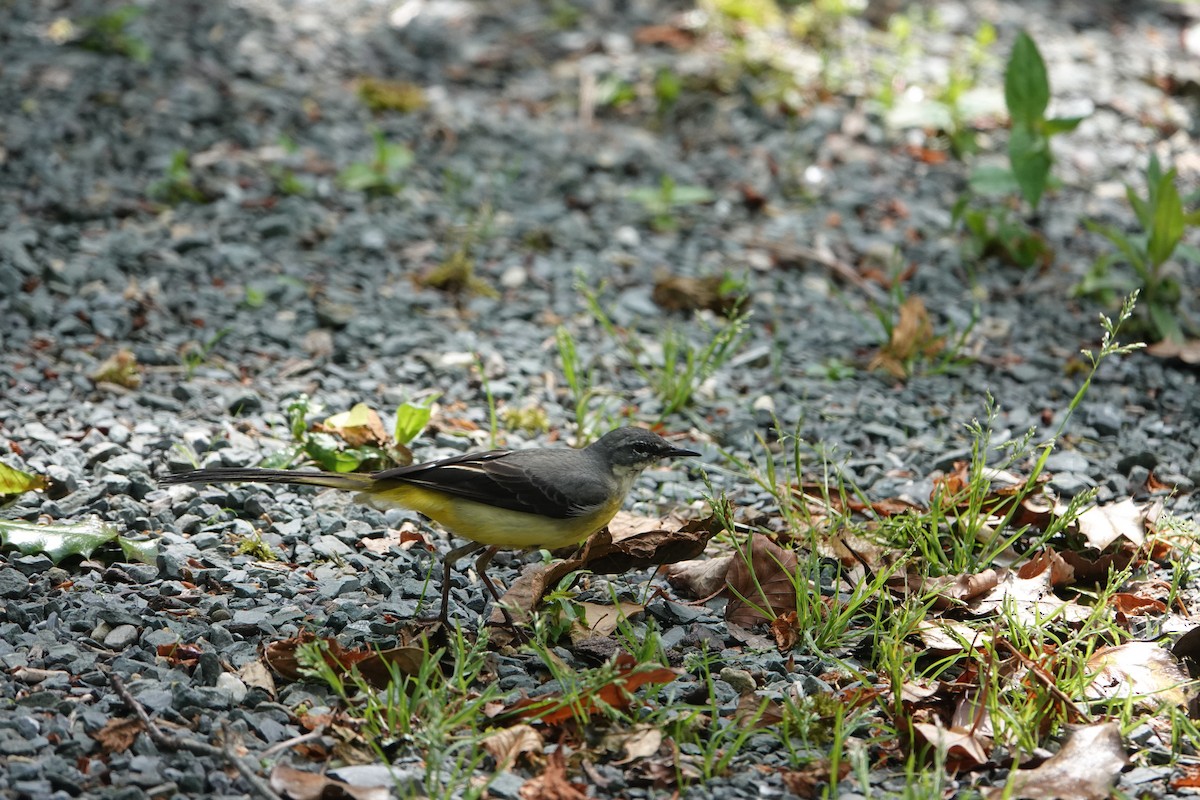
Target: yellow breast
[{"x": 490, "y": 525}]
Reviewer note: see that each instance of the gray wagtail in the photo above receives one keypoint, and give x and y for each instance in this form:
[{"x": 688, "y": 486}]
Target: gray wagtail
[{"x": 543, "y": 497}]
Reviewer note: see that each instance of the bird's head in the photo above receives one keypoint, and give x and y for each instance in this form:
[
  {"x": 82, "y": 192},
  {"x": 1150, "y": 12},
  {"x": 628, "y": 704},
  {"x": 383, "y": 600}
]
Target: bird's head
[{"x": 631, "y": 450}]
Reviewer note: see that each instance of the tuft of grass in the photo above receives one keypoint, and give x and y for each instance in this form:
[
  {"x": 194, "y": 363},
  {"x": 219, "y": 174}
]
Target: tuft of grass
[{"x": 681, "y": 367}]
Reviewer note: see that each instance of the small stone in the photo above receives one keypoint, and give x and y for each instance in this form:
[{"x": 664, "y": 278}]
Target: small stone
[
  {"x": 741, "y": 680},
  {"x": 13, "y": 585},
  {"x": 121, "y": 637}
]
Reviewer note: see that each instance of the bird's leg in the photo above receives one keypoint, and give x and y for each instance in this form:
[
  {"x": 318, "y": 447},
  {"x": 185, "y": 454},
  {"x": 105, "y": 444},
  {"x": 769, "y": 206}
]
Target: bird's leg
[
  {"x": 447, "y": 567},
  {"x": 481, "y": 565}
]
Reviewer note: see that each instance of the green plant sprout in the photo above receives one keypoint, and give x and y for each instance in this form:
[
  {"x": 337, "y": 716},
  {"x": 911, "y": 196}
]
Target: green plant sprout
[
  {"x": 1149, "y": 252},
  {"x": 380, "y": 175},
  {"x": 1027, "y": 95}
]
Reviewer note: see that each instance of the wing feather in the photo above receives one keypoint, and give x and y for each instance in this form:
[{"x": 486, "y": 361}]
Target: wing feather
[{"x": 528, "y": 481}]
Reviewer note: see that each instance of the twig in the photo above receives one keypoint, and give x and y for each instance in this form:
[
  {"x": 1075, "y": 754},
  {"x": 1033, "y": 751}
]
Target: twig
[
  {"x": 278, "y": 747},
  {"x": 1046, "y": 680},
  {"x": 172, "y": 742}
]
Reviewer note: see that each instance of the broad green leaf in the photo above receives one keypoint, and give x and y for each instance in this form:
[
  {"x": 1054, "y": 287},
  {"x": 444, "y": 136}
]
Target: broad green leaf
[
  {"x": 1029, "y": 155},
  {"x": 1187, "y": 252},
  {"x": 1026, "y": 87},
  {"x": 1167, "y": 229},
  {"x": 1141, "y": 208},
  {"x": 690, "y": 195},
  {"x": 1128, "y": 248},
  {"x": 1061, "y": 125},
  {"x": 56, "y": 541},
  {"x": 14, "y": 482},
  {"x": 322, "y": 449},
  {"x": 994, "y": 181},
  {"x": 143, "y": 550},
  {"x": 411, "y": 419}
]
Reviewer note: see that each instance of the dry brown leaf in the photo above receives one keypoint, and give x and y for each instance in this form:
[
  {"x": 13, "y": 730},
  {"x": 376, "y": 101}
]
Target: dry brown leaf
[
  {"x": 554, "y": 709},
  {"x": 1187, "y": 351},
  {"x": 950, "y": 590},
  {"x": 552, "y": 784},
  {"x": 805, "y": 783},
  {"x": 1144, "y": 671},
  {"x": 786, "y": 630},
  {"x": 602, "y": 620},
  {"x": 1086, "y": 768},
  {"x": 964, "y": 748},
  {"x": 1032, "y": 600},
  {"x": 374, "y": 666},
  {"x": 1135, "y": 605},
  {"x": 950, "y": 636},
  {"x": 638, "y": 742},
  {"x": 118, "y": 735},
  {"x": 628, "y": 543},
  {"x": 255, "y": 674},
  {"x": 912, "y": 337},
  {"x": 763, "y": 588},
  {"x": 507, "y": 745},
  {"x": 300, "y": 785},
  {"x": 1103, "y": 525},
  {"x": 700, "y": 578},
  {"x": 1096, "y": 570},
  {"x": 685, "y": 293},
  {"x": 1061, "y": 573}
]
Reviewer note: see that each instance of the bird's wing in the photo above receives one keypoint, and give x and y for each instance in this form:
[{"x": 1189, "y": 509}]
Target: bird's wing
[{"x": 506, "y": 479}]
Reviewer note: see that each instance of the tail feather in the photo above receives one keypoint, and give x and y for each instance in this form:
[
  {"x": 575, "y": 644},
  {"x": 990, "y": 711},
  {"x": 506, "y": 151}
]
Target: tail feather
[{"x": 355, "y": 482}]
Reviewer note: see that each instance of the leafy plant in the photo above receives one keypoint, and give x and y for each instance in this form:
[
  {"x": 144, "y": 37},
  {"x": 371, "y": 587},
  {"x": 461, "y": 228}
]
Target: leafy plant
[
  {"x": 380, "y": 175},
  {"x": 1027, "y": 95},
  {"x": 1149, "y": 252},
  {"x": 662, "y": 201},
  {"x": 109, "y": 33},
  {"x": 352, "y": 440},
  {"x": 177, "y": 184},
  {"x": 996, "y": 231}
]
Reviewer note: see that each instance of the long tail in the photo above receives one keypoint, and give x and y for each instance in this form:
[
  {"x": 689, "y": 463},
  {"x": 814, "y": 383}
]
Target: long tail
[{"x": 355, "y": 482}]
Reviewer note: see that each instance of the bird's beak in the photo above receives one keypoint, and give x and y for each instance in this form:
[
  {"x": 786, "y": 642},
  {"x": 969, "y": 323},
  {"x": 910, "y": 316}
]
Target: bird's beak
[{"x": 679, "y": 452}]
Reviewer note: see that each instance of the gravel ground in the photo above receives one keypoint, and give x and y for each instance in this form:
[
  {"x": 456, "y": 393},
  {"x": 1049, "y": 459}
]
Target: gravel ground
[{"x": 235, "y": 306}]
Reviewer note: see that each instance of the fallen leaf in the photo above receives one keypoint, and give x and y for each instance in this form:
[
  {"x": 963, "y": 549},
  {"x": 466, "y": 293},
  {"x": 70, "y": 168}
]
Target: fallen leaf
[
  {"x": 14, "y": 482},
  {"x": 375, "y": 666},
  {"x": 640, "y": 741},
  {"x": 1061, "y": 573},
  {"x": 964, "y": 748},
  {"x": 602, "y": 620},
  {"x": 1133, "y": 605},
  {"x": 700, "y": 578},
  {"x": 552, "y": 784},
  {"x": 1096, "y": 570},
  {"x": 255, "y": 674},
  {"x": 1103, "y": 525},
  {"x": 804, "y": 783},
  {"x": 1187, "y": 351},
  {"x": 1085, "y": 768},
  {"x": 178, "y": 654},
  {"x": 628, "y": 677},
  {"x": 300, "y": 785},
  {"x": 786, "y": 630},
  {"x": 1144, "y": 671},
  {"x": 911, "y": 337},
  {"x": 118, "y": 735},
  {"x": 1032, "y": 600},
  {"x": 56, "y": 541},
  {"x": 685, "y": 293},
  {"x": 763, "y": 587},
  {"x": 950, "y": 636},
  {"x": 506, "y": 745},
  {"x": 628, "y": 543}
]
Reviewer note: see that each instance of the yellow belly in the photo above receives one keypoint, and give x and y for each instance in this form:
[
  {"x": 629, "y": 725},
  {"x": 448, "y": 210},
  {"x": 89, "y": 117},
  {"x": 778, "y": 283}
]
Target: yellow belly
[{"x": 489, "y": 525}]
